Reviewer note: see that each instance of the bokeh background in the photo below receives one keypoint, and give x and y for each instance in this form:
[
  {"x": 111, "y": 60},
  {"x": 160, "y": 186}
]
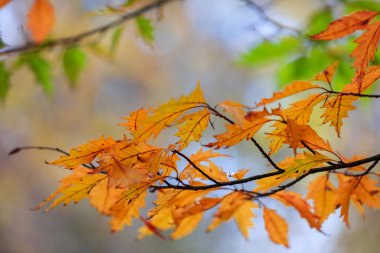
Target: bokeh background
[{"x": 194, "y": 40}]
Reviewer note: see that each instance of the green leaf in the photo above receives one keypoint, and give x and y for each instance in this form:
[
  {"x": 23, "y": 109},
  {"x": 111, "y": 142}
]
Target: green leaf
[
  {"x": 362, "y": 5},
  {"x": 74, "y": 61},
  {"x": 116, "y": 36},
  {"x": 145, "y": 29},
  {"x": 319, "y": 21},
  {"x": 41, "y": 70},
  {"x": 305, "y": 67},
  {"x": 269, "y": 51},
  {"x": 4, "y": 81}
]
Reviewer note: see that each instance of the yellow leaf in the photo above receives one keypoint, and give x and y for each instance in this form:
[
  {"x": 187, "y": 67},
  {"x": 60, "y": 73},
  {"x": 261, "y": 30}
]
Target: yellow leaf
[
  {"x": 243, "y": 217},
  {"x": 85, "y": 153},
  {"x": 336, "y": 109},
  {"x": 323, "y": 193},
  {"x": 78, "y": 190},
  {"x": 238, "y": 206},
  {"x": 128, "y": 207},
  {"x": 192, "y": 127},
  {"x": 66, "y": 182},
  {"x": 294, "y": 167},
  {"x": 276, "y": 227},
  {"x": 168, "y": 113},
  {"x": 40, "y": 20},
  {"x": 133, "y": 121},
  {"x": 236, "y": 133},
  {"x": 186, "y": 226}
]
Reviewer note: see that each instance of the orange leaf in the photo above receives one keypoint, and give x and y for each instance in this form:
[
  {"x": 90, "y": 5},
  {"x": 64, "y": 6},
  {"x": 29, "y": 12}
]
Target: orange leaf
[
  {"x": 4, "y": 2},
  {"x": 328, "y": 74},
  {"x": 297, "y": 136},
  {"x": 85, "y": 153},
  {"x": 291, "y": 89},
  {"x": 276, "y": 227},
  {"x": 40, "y": 20},
  {"x": 346, "y": 25},
  {"x": 323, "y": 193},
  {"x": 336, "y": 109},
  {"x": 372, "y": 75},
  {"x": 295, "y": 200},
  {"x": 365, "y": 51}
]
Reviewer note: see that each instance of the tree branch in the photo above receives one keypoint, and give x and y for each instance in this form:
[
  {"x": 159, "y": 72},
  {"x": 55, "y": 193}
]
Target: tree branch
[
  {"x": 71, "y": 40},
  {"x": 195, "y": 166},
  {"x": 375, "y": 159},
  {"x": 18, "y": 149}
]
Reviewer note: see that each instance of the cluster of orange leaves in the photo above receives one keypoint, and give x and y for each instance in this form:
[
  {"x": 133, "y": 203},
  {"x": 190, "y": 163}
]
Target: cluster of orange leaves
[
  {"x": 40, "y": 19},
  {"x": 118, "y": 175}
]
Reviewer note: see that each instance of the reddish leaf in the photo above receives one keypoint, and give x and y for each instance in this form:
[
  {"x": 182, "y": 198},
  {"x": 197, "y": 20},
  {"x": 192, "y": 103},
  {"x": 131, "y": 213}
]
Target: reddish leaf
[{"x": 346, "y": 25}]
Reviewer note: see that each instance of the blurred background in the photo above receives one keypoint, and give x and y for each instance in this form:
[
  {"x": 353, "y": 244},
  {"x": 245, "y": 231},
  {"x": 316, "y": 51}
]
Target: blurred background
[{"x": 238, "y": 50}]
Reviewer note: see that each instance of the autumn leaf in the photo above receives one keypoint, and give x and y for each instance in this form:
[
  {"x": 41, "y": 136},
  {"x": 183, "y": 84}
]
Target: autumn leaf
[
  {"x": 336, "y": 109},
  {"x": 168, "y": 113},
  {"x": 237, "y": 132},
  {"x": 365, "y": 51},
  {"x": 77, "y": 190},
  {"x": 328, "y": 74},
  {"x": 304, "y": 209},
  {"x": 192, "y": 127},
  {"x": 370, "y": 77},
  {"x": 276, "y": 227},
  {"x": 40, "y": 19},
  {"x": 291, "y": 89},
  {"x": 236, "y": 110},
  {"x": 323, "y": 193},
  {"x": 84, "y": 153},
  {"x": 235, "y": 205},
  {"x": 4, "y": 2},
  {"x": 346, "y": 25},
  {"x": 293, "y": 168}
]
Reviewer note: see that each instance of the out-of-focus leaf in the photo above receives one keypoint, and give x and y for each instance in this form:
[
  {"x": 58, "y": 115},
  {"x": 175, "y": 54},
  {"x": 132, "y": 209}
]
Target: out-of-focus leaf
[
  {"x": 361, "y": 5},
  {"x": 4, "y": 81},
  {"x": 40, "y": 20},
  {"x": 116, "y": 36},
  {"x": 269, "y": 51},
  {"x": 41, "y": 70},
  {"x": 145, "y": 29},
  {"x": 304, "y": 67},
  {"x": 319, "y": 21},
  {"x": 74, "y": 61}
]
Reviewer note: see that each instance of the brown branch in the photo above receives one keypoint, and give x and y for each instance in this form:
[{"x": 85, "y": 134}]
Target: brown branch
[
  {"x": 71, "y": 40},
  {"x": 195, "y": 166},
  {"x": 263, "y": 14},
  {"x": 337, "y": 166},
  {"x": 354, "y": 94},
  {"x": 18, "y": 149}
]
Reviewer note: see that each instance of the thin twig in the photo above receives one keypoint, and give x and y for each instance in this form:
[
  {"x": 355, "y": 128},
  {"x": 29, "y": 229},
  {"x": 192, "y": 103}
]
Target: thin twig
[
  {"x": 71, "y": 40},
  {"x": 196, "y": 167},
  {"x": 18, "y": 149}
]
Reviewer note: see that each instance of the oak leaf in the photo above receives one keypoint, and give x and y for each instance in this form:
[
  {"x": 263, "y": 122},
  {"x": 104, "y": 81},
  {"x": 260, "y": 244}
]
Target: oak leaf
[
  {"x": 304, "y": 209},
  {"x": 276, "y": 227},
  {"x": 323, "y": 193},
  {"x": 346, "y": 25}
]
